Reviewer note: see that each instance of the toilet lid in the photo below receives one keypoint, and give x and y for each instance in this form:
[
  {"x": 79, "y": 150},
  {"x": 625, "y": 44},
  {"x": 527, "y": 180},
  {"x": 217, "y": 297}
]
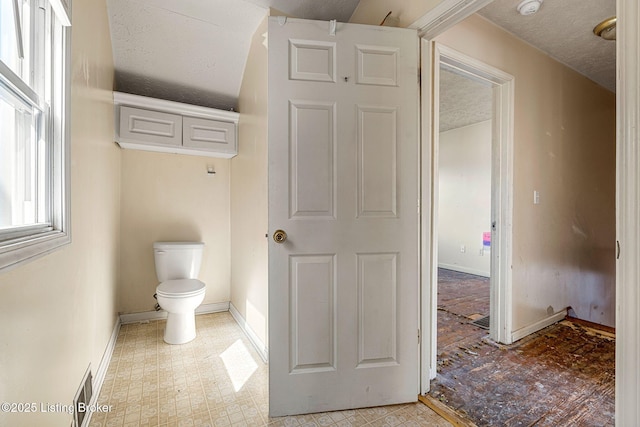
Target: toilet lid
[{"x": 180, "y": 287}]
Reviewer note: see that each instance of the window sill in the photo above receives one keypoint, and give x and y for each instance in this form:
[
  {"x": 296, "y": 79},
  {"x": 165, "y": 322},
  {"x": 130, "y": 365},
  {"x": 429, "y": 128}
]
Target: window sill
[{"x": 20, "y": 251}]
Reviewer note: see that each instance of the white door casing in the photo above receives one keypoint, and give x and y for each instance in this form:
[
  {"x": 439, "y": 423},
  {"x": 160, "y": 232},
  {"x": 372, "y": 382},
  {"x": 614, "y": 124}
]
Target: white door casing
[
  {"x": 628, "y": 214},
  {"x": 344, "y": 185}
]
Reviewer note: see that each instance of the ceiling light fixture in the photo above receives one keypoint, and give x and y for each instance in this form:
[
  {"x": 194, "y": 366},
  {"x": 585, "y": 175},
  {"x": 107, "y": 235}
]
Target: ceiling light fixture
[
  {"x": 529, "y": 7},
  {"x": 606, "y": 29}
]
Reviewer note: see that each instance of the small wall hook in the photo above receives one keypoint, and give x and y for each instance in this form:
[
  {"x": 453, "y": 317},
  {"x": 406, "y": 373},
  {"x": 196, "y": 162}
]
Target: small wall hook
[{"x": 210, "y": 170}]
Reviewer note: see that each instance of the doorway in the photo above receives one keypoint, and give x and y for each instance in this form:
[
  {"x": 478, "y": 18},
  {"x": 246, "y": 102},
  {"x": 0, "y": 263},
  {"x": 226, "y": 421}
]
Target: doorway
[
  {"x": 464, "y": 204},
  {"x": 498, "y": 237}
]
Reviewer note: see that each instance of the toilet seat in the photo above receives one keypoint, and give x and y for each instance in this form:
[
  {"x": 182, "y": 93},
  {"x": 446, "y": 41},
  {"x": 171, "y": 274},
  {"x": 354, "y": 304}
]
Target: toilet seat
[{"x": 180, "y": 288}]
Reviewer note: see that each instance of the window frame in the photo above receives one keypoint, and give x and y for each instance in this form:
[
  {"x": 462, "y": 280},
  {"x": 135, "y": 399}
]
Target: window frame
[{"x": 26, "y": 243}]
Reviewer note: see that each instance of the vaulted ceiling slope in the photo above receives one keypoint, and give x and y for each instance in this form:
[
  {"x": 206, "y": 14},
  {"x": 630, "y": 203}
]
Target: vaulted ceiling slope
[{"x": 194, "y": 51}]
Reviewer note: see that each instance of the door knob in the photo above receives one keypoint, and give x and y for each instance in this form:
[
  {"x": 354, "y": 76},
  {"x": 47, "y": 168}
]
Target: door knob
[{"x": 280, "y": 236}]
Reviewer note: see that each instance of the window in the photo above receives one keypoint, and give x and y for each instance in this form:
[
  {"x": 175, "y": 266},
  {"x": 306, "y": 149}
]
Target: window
[{"x": 34, "y": 138}]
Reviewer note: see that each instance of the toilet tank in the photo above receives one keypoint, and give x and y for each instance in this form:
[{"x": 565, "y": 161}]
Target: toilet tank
[{"x": 177, "y": 260}]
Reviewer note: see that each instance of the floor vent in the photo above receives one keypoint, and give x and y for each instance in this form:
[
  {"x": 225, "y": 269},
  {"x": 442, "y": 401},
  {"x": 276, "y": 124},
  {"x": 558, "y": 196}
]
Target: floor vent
[
  {"x": 83, "y": 399},
  {"x": 482, "y": 322}
]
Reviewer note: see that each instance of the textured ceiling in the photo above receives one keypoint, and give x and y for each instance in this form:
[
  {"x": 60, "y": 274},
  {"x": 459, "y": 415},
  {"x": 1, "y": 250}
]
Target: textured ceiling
[
  {"x": 194, "y": 51},
  {"x": 564, "y": 30},
  {"x": 463, "y": 101},
  {"x": 561, "y": 28}
]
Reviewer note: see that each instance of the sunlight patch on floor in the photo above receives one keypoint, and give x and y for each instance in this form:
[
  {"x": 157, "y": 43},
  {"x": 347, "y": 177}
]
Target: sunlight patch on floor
[{"x": 239, "y": 364}]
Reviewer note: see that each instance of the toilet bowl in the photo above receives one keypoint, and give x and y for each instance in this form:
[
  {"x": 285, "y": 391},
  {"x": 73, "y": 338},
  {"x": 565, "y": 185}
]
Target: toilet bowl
[{"x": 179, "y": 293}]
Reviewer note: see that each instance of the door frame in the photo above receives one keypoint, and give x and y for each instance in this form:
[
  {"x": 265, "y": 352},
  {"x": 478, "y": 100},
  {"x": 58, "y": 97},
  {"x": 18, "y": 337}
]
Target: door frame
[
  {"x": 627, "y": 213},
  {"x": 501, "y": 181},
  {"x": 501, "y": 195},
  {"x": 443, "y": 16}
]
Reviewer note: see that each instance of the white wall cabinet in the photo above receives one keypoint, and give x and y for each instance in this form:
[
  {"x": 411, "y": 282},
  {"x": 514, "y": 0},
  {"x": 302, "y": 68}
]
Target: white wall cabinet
[{"x": 172, "y": 127}]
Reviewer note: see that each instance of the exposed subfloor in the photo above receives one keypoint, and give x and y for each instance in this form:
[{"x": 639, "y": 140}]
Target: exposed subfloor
[
  {"x": 216, "y": 380},
  {"x": 562, "y": 375}
]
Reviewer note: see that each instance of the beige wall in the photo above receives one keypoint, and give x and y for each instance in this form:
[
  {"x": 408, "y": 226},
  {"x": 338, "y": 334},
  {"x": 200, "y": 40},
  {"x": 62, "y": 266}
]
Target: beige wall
[
  {"x": 372, "y": 12},
  {"x": 170, "y": 197},
  {"x": 249, "y": 274},
  {"x": 464, "y": 168},
  {"x": 58, "y": 312},
  {"x": 563, "y": 248}
]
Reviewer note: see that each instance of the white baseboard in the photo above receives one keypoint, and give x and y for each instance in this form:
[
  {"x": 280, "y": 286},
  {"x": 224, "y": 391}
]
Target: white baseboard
[
  {"x": 528, "y": 330},
  {"x": 158, "y": 315},
  {"x": 101, "y": 373},
  {"x": 260, "y": 347},
  {"x": 462, "y": 269},
  {"x": 216, "y": 307}
]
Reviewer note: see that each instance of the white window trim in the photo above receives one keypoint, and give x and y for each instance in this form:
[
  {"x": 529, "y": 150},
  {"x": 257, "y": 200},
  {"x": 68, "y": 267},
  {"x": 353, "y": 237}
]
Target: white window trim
[
  {"x": 62, "y": 9},
  {"x": 24, "y": 249}
]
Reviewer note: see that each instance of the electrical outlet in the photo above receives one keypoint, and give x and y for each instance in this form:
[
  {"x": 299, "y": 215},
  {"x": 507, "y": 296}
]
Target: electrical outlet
[
  {"x": 463, "y": 249},
  {"x": 481, "y": 252}
]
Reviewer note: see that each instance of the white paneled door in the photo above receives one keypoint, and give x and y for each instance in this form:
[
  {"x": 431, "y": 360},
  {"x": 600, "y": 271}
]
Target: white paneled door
[{"x": 343, "y": 187}]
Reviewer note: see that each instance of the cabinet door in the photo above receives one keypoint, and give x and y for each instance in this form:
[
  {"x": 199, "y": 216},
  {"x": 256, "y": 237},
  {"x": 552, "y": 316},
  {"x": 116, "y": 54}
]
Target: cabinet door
[
  {"x": 151, "y": 127},
  {"x": 210, "y": 135}
]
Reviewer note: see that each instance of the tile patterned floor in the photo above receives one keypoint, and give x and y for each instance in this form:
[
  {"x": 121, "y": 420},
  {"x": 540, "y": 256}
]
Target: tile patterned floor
[{"x": 216, "y": 380}]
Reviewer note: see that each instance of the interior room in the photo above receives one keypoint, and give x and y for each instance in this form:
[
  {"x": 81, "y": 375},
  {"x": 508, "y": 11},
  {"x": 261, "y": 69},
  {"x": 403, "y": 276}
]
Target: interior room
[
  {"x": 85, "y": 310},
  {"x": 464, "y": 297}
]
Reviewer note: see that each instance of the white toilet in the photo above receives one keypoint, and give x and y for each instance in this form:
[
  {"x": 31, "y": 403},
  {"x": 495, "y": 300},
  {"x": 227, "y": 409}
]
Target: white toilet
[{"x": 179, "y": 291}]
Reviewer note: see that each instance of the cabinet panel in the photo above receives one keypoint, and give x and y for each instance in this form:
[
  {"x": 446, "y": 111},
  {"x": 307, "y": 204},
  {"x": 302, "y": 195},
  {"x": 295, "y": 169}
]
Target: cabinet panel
[
  {"x": 209, "y": 135},
  {"x": 150, "y": 126}
]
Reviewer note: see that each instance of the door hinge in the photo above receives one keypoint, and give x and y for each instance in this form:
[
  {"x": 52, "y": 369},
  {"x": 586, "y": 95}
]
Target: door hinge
[
  {"x": 418, "y": 336},
  {"x": 418, "y": 206}
]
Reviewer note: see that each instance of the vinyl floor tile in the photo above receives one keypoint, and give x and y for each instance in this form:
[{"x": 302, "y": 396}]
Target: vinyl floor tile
[{"x": 153, "y": 384}]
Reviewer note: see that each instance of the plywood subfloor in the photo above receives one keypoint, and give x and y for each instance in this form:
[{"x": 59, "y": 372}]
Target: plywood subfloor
[{"x": 560, "y": 376}]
